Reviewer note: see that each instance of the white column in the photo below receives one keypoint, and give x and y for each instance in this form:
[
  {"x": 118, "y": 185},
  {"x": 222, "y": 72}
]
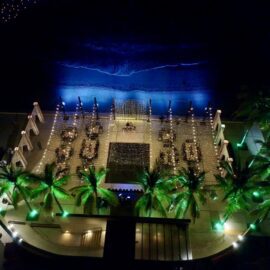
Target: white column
[
  {"x": 230, "y": 161},
  {"x": 217, "y": 119},
  {"x": 223, "y": 149},
  {"x": 32, "y": 125},
  {"x": 220, "y": 134},
  {"x": 25, "y": 140},
  {"x": 223, "y": 171},
  {"x": 18, "y": 156},
  {"x": 38, "y": 112}
]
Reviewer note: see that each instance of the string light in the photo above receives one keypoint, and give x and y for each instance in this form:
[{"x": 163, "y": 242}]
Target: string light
[
  {"x": 172, "y": 138},
  {"x": 213, "y": 134},
  {"x": 150, "y": 131},
  {"x": 10, "y": 9},
  {"x": 75, "y": 117},
  {"x": 108, "y": 134},
  {"x": 94, "y": 116},
  {"x": 194, "y": 138},
  {"x": 56, "y": 115}
]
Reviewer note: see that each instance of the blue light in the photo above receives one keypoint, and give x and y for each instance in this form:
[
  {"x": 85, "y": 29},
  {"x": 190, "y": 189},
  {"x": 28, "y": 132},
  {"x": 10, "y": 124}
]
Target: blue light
[
  {"x": 189, "y": 64},
  {"x": 159, "y": 99},
  {"x": 160, "y": 83}
]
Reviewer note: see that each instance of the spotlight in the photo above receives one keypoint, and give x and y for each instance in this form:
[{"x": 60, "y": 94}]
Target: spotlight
[
  {"x": 10, "y": 226},
  {"x": 240, "y": 237},
  {"x": 219, "y": 226},
  {"x": 65, "y": 214},
  {"x": 256, "y": 194}
]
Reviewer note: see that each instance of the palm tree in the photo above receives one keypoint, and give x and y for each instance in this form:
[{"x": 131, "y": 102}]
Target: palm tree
[
  {"x": 91, "y": 195},
  {"x": 191, "y": 188},
  {"x": 240, "y": 185},
  {"x": 155, "y": 192},
  {"x": 261, "y": 211},
  {"x": 255, "y": 109},
  {"x": 51, "y": 188},
  {"x": 265, "y": 146},
  {"x": 261, "y": 161},
  {"x": 14, "y": 182}
]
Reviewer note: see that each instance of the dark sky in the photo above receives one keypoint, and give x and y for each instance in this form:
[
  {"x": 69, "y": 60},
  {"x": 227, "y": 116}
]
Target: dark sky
[{"x": 234, "y": 35}]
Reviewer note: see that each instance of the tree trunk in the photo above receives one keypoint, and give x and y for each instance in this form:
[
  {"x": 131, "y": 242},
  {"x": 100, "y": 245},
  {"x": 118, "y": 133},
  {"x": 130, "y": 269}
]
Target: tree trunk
[
  {"x": 58, "y": 204},
  {"x": 24, "y": 197}
]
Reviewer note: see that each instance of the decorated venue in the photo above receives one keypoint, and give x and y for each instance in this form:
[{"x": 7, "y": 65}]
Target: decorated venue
[{"x": 134, "y": 134}]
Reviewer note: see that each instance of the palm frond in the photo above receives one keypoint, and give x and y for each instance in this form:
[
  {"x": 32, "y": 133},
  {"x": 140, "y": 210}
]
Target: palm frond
[
  {"x": 79, "y": 188},
  {"x": 142, "y": 204},
  {"x": 157, "y": 205},
  {"x": 60, "y": 193},
  {"x": 100, "y": 175},
  {"x": 262, "y": 210},
  {"x": 80, "y": 195},
  {"x": 34, "y": 193},
  {"x": 108, "y": 196},
  {"x": 202, "y": 198},
  {"x": 185, "y": 204},
  {"x": 61, "y": 181},
  {"x": 87, "y": 197},
  {"x": 15, "y": 197},
  {"x": 4, "y": 188}
]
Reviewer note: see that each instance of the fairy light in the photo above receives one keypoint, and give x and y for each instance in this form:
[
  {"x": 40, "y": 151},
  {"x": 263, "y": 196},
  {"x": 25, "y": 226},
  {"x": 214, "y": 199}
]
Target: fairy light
[
  {"x": 75, "y": 117},
  {"x": 150, "y": 132},
  {"x": 213, "y": 134},
  {"x": 74, "y": 124},
  {"x": 94, "y": 116},
  {"x": 194, "y": 135},
  {"x": 108, "y": 135},
  {"x": 42, "y": 161},
  {"x": 172, "y": 137}
]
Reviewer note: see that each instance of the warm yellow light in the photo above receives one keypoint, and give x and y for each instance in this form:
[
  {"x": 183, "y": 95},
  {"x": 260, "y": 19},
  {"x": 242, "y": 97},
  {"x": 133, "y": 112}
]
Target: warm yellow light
[{"x": 89, "y": 232}]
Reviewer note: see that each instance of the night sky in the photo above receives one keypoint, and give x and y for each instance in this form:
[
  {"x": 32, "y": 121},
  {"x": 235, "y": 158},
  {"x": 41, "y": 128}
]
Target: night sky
[{"x": 233, "y": 38}]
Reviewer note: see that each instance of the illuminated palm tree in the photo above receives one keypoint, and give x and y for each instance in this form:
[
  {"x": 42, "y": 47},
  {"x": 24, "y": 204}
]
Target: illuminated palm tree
[
  {"x": 262, "y": 166},
  {"x": 155, "y": 194},
  {"x": 14, "y": 182},
  {"x": 189, "y": 193},
  {"x": 255, "y": 109},
  {"x": 51, "y": 189},
  {"x": 91, "y": 195},
  {"x": 261, "y": 161},
  {"x": 241, "y": 185},
  {"x": 261, "y": 211}
]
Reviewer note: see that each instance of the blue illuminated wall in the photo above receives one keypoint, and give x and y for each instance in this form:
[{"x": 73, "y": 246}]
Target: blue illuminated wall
[{"x": 180, "y": 84}]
